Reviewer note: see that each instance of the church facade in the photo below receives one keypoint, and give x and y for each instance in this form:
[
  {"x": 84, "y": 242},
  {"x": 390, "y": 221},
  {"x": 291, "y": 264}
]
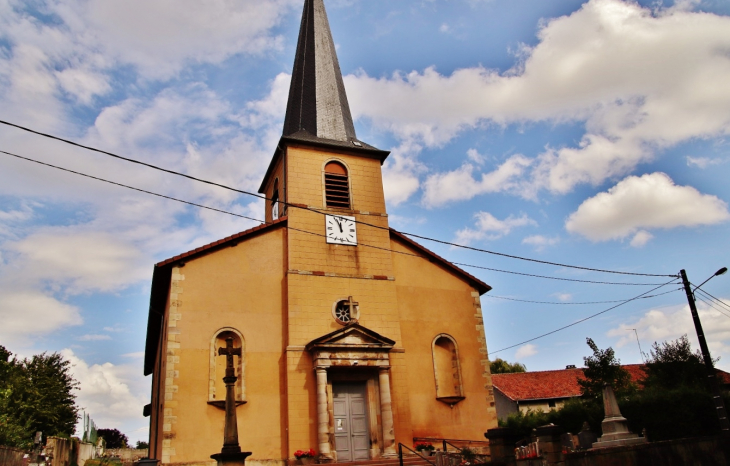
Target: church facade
[{"x": 353, "y": 337}]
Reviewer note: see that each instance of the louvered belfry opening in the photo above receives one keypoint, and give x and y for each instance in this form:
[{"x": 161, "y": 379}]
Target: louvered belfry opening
[{"x": 336, "y": 186}]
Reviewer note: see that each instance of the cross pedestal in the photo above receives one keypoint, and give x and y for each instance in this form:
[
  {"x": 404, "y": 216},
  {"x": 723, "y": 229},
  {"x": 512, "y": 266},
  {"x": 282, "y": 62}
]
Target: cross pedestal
[{"x": 231, "y": 454}]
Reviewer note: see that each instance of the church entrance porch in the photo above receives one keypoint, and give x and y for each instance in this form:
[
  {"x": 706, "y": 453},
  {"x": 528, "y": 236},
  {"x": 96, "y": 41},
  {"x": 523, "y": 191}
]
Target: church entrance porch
[
  {"x": 349, "y": 406},
  {"x": 354, "y": 411}
]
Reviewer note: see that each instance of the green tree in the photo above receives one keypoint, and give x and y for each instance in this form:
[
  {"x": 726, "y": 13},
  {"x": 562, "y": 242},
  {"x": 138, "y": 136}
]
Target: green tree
[
  {"x": 673, "y": 364},
  {"x": 604, "y": 368},
  {"x": 142, "y": 445},
  {"x": 113, "y": 438},
  {"x": 36, "y": 394},
  {"x": 500, "y": 366}
]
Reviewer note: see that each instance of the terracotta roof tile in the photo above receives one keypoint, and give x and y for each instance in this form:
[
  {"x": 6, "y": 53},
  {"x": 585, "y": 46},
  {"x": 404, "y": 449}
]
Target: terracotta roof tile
[{"x": 558, "y": 384}]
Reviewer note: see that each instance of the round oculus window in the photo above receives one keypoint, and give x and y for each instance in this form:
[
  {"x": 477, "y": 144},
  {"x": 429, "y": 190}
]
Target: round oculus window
[{"x": 342, "y": 314}]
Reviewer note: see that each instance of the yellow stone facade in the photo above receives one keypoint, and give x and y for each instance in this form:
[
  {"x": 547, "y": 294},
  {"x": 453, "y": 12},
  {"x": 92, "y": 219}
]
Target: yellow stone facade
[{"x": 276, "y": 287}]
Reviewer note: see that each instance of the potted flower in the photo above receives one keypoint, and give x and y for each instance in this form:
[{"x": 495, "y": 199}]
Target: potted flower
[
  {"x": 305, "y": 456},
  {"x": 424, "y": 448}
]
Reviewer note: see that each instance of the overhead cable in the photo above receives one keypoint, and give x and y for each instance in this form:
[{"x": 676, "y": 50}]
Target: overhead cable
[
  {"x": 259, "y": 196},
  {"x": 565, "y": 303},
  {"x": 584, "y": 319},
  {"x": 262, "y": 221}
]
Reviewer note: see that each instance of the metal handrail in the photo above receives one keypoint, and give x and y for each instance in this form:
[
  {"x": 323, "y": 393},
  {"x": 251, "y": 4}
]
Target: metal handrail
[
  {"x": 447, "y": 441},
  {"x": 400, "y": 454}
]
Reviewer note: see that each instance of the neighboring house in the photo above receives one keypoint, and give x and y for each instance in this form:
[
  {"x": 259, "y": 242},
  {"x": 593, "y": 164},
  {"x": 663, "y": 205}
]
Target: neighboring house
[{"x": 546, "y": 390}]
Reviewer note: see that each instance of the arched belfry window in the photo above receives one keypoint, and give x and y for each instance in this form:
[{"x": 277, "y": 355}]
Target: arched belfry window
[
  {"x": 447, "y": 370},
  {"x": 216, "y": 387},
  {"x": 275, "y": 201},
  {"x": 336, "y": 185}
]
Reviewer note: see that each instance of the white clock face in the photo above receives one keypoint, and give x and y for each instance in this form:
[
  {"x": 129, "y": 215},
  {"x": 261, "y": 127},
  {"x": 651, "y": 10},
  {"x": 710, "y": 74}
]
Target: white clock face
[{"x": 341, "y": 229}]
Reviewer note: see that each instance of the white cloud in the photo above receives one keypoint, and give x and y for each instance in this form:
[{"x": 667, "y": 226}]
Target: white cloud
[
  {"x": 457, "y": 185},
  {"x": 641, "y": 238},
  {"x": 670, "y": 323},
  {"x": 525, "y": 351},
  {"x": 94, "y": 337},
  {"x": 640, "y": 203},
  {"x": 563, "y": 296},
  {"x": 640, "y": 80},
  {"x": 702, "y": 162},
  {"x": 540, "y": 241},
  {"x": 92, "y": 261},
  {"x": 161, "y": 37},
  {"x": 113, "y": 395},
  {"x": 491, "y": 228},
  {"x": 400, "y": 173},
  {"x": 26, "y": 313}
]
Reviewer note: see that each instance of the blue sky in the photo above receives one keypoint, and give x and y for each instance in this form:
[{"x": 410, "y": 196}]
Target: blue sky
[{"x": 589, "y": 133}]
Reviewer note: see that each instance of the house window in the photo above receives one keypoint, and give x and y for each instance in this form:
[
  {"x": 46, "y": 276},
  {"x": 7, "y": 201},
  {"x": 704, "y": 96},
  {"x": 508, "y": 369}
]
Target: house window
[
  {"x": 336, "y": 185},
  {"x": 447, "y": 370},
  {"x": 216, "y": 387},
  {"x": 275, "y": 201}
]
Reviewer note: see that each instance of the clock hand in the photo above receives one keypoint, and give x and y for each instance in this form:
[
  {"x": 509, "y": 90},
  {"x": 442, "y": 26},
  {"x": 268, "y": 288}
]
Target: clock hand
[{"x": 339, "y": 224}]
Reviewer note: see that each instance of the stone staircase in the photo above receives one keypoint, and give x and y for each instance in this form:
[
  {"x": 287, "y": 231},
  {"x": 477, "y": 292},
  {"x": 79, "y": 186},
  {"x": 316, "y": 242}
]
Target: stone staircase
[{"x": 407, "y": 461}]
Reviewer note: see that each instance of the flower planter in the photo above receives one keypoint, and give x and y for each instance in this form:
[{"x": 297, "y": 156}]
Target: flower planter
[{"x": 306, "y": 460}]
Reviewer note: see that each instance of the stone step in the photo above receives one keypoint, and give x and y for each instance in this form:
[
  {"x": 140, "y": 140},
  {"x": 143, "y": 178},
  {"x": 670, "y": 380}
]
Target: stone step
[{"x": 407, "y": 460}]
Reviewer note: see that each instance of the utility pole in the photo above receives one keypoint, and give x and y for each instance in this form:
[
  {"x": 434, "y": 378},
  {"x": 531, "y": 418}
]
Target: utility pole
[{"x": 711, "y": 373}]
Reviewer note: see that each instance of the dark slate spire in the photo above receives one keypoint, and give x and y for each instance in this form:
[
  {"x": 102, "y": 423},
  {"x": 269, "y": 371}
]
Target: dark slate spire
[{"x": 317, "y": 99}]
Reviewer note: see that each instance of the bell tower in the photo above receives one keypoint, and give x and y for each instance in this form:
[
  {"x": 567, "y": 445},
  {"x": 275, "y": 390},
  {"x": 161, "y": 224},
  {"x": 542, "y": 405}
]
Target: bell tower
[{"x": 339, "y": 264}]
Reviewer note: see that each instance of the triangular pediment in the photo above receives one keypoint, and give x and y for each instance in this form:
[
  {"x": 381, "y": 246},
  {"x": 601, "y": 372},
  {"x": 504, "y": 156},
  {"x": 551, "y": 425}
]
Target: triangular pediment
[{"x": 352, "y": 336}]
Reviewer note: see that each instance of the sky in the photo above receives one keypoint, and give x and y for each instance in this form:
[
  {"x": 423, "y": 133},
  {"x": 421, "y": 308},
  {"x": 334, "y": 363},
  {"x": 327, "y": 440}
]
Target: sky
[{"x": 592, "y": 133}]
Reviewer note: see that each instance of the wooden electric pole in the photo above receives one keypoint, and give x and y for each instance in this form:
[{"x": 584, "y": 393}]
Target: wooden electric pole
[{"x": 711, "y": 373}]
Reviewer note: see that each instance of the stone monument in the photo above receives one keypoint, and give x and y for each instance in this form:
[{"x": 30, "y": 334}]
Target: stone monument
[
  {"x": 231, "y": 454},
  {"x": 615, "y": 427}
]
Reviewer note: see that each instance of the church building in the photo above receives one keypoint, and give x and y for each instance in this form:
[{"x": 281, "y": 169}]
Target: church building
[{"x": 353, "y": 337}]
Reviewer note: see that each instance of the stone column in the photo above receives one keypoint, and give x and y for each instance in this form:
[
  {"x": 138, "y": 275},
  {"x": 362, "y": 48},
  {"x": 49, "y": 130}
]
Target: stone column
[
  {"x": 386, "y": 413},
  {"x": 323, "y": 418}
]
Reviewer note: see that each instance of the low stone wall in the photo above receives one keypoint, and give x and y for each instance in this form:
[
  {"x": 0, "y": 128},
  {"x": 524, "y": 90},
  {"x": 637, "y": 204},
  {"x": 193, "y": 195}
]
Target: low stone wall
[
  {"x": 127, "y": 455},
  {"x": 12, "y": 457},
  {"x": 684, "y": 452}
]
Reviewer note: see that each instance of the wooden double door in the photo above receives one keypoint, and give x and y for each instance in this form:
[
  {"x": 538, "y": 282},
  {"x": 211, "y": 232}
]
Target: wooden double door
[{"x": 352, "y": 439}]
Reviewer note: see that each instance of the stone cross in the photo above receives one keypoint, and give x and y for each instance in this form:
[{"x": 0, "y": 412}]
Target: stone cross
[
  {"x": 230, "y": 434},
  {"x": 352, "y": 305}
]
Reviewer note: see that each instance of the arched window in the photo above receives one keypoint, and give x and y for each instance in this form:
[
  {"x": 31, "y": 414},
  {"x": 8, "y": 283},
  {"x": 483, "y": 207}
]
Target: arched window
[
  {"x": 275, "y": 201},
  {"x": 447, "y": 370},
  {"x": 336, "y": 185},
  {"x": 216, "y": 387}
]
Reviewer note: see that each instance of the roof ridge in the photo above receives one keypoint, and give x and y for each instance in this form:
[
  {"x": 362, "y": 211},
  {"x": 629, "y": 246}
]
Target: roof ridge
[{"x": 220, "y": 242}]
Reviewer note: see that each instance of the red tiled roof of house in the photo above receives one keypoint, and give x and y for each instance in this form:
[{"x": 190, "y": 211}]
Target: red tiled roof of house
[{"x": 558, "y": 384}]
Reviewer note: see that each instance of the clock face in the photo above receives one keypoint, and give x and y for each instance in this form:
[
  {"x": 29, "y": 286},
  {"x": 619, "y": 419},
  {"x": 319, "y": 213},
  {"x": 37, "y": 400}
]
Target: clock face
[{"x": 341, "y": 229}]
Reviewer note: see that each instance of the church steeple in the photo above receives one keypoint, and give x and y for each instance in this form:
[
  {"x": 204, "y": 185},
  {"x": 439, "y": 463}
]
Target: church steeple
[{"x": 317, "y": 100}]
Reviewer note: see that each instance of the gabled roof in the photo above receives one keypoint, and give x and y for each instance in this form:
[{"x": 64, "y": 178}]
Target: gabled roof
[
  {"x": 351, "y": 336},
  {"x": 545, "y": 385},
  {"x": 161, "y": 284},
  {"x": 433, "y": 257}
]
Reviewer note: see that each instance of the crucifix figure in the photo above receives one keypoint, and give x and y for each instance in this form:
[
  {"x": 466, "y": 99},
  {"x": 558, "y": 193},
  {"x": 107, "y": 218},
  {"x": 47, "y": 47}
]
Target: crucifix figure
[
  {"x": 230, "y": 434},
  {"x": 351, "y": 304}
]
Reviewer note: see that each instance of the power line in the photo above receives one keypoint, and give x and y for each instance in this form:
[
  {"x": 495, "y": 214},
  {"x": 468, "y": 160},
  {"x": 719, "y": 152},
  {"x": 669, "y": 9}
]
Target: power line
[
  {"x": 576, "y": 303},
  {"x": 584, "y": 319},
  {"x": 720, "y": 301},
  {"x": 129, "y": 187},
  {"x": 304, "y": 231},
  {"x": 511, "y": 256},
  {"x": 709, "y": 303},
  {"x": 554, "y": 278},
  {"x": 155, "y": 167}
]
